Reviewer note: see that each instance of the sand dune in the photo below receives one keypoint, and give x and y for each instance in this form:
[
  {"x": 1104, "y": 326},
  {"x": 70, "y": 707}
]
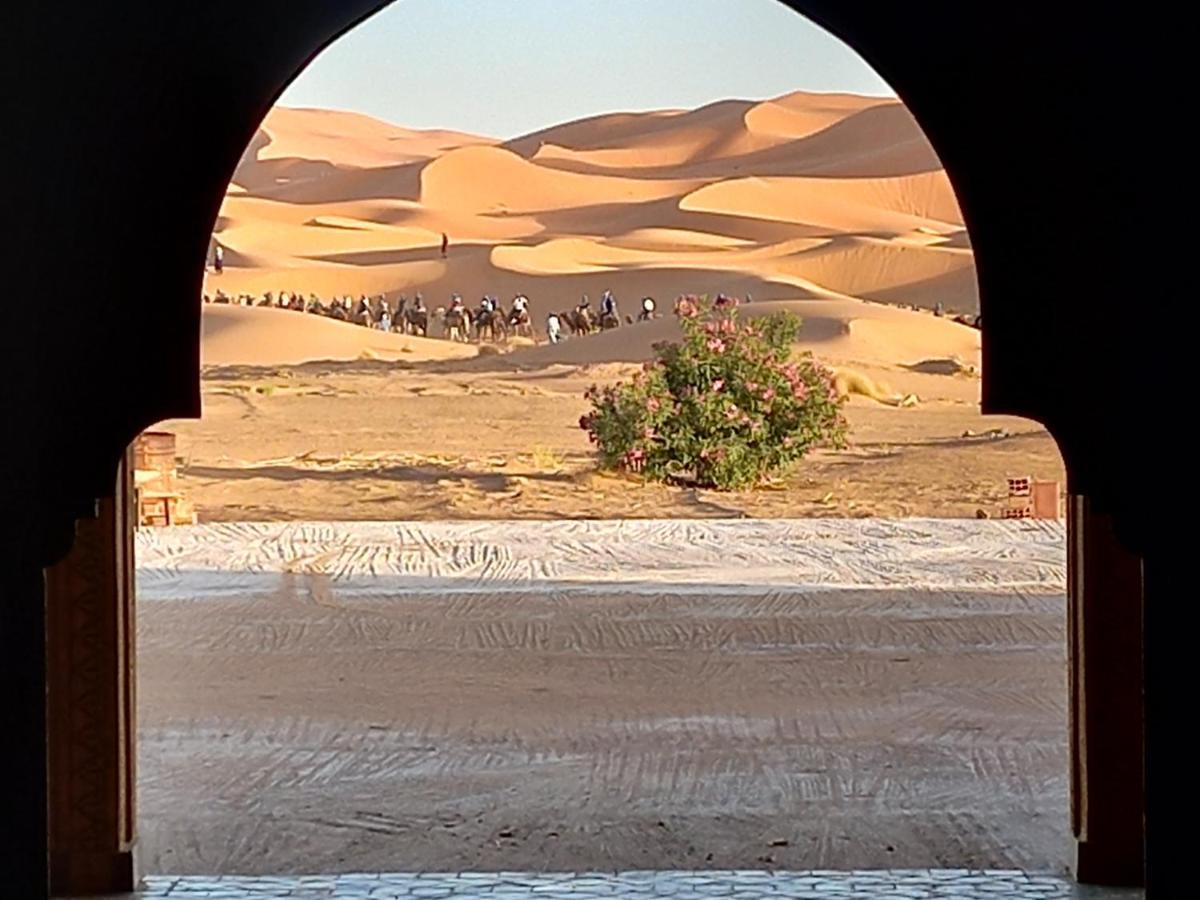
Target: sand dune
[
  {"x": 803, "y": 197},
  {"x": 837, "y": 205},
  {"x": 498, "y": 181},
  {"x": 297, "y": 145},
  {"x": 236, "y": 335},
  {"x": 888, "y": 346}
]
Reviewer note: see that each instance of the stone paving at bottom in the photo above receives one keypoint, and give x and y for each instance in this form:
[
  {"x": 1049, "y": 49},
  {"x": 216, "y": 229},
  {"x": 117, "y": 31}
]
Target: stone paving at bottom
[{"x": 913, "y": 884}]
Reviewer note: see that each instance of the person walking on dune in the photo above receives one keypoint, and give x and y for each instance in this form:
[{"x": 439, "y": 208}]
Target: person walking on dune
[
  {"x": 553, "y": 328},
  {"x": 445, "y": 244},
  {"x": 218, "y": 259}
]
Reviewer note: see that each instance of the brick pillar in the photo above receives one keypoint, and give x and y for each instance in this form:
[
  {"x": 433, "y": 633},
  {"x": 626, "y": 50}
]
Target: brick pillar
[
  {"x": 1105, "y": 659},
  {"x": 89, "y": 602}
]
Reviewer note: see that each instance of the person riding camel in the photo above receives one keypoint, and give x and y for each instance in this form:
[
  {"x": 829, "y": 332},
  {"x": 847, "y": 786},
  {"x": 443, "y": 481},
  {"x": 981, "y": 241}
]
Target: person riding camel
[
  {"x": 647, "y": 309},
  {"x": 456, "y": 301},
  {"x": 520, "y": 304},
  {"x": 608, "y": 305},
  {"x": 419, "y": 303}
]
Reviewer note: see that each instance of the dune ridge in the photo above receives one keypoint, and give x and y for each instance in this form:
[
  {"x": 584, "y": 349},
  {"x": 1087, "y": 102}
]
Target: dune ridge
[{"x": 795, "y": 198}]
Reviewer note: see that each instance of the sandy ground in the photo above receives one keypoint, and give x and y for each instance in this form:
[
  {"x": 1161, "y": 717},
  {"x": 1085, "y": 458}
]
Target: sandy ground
[
  {"x": 833, "y": 206},
  {"x": 498, "y": 437},
  {"x": 295, "y": 718},
  {"x": 332, "y": 718}
]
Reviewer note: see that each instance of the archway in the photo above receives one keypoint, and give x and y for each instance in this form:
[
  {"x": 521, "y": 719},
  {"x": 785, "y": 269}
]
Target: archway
[{"x": 304, "y": 198}]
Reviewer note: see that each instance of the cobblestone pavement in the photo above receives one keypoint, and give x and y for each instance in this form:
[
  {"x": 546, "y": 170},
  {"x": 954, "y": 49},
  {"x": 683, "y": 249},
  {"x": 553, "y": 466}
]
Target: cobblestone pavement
[{"x": 913, "y": 884}]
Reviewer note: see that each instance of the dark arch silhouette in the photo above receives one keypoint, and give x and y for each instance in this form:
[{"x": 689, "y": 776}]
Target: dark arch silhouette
[
  {"x": 167, "y": 117},
  {"x": 147, "y": 110}
]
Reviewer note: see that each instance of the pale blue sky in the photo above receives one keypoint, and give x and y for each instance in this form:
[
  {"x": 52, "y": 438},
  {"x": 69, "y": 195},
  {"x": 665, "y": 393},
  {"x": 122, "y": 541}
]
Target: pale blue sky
[{"x": 507, "y": 67}]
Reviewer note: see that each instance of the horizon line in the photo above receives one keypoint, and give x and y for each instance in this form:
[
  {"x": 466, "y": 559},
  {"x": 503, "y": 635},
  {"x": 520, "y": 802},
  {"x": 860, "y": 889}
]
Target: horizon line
[{"x": 583, "y": 118}]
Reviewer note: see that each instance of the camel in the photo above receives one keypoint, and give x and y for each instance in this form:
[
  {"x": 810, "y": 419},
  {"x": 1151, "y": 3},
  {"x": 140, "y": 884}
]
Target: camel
[
  {"x": 456, "y": 326},
  {"x": 578, "y": 320},
  {"x": 519, "y": 323},
  {"x": 491, "y": 321},
  {"x": 378, "y": 307},
  {"x": 416, "y": 321},
  {"x": 848, "y": 381}
]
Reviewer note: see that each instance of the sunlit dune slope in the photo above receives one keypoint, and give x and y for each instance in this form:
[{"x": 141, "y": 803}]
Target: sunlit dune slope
[{"x": 832, "y": 197}]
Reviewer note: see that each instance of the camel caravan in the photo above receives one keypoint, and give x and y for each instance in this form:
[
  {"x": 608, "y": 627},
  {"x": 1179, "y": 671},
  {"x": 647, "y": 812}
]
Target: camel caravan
[{"x": 488, "y": 321}]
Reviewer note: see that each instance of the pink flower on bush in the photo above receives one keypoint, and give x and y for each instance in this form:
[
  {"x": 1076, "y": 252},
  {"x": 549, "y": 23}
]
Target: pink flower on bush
[{"x": 684, "y": 423}]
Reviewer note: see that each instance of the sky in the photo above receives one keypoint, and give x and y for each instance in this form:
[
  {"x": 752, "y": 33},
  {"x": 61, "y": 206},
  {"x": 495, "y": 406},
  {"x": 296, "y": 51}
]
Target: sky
[{"x": 503, "y": 68}]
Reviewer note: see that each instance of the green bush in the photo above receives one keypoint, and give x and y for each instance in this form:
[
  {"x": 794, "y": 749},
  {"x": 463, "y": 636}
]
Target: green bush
[{"x": 726, "y": 407}]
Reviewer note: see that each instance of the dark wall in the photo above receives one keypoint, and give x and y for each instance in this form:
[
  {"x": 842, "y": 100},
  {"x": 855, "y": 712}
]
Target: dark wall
[{"x": 125, "y": 113}]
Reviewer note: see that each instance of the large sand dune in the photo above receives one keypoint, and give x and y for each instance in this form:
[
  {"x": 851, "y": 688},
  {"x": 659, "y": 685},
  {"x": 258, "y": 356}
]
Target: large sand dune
[
  {"x": 237, "y": 334},
  {"x": 798, "y": 197},
  {"x": 831, "y": 206}
]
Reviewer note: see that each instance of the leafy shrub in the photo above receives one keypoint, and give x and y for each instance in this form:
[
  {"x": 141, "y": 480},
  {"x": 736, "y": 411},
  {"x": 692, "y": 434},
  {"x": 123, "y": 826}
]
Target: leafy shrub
[{"x": 726, "y": 407}]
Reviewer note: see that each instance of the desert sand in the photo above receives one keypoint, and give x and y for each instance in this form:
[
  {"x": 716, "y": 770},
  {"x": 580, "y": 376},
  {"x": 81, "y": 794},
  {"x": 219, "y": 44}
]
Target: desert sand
[
  {"x": 833, "y": 206},
  {"x": 805, "y": 195},
  {"x": 328, "y": 695},
  {"x": 425, "y": 429}
]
